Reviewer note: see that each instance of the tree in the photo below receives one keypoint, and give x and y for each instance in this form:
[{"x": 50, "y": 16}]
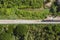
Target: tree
[
  {"x": 6, "y": 36},
  {"x": 21, "y": 31}
]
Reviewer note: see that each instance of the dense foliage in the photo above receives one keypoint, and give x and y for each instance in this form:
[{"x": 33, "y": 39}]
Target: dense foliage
[
  {"x": 30, "y": 32},
  {"x": 29, "y": 14},
  {"x": 21, "y": 3},
  {"x": 25, "y": 9},
  {"x": 13, "y": 13}
]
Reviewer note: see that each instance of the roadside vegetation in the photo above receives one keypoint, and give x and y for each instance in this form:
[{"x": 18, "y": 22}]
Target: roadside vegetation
[
  {"x": 30, "y": 32},
  {"x": 13, "y": 13},
  {"x": 35, "y": 14},
  {"x": 26, "y": 9}
]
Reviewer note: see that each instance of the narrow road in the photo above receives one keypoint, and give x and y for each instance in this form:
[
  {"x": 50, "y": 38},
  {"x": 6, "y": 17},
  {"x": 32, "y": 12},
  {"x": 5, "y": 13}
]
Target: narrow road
[{"x": 26, "y": 22}]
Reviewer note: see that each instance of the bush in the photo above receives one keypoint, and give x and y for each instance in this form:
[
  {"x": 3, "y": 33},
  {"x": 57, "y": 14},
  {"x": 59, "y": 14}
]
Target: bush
[
  {"x": 30, "y": 32},
  {"x": 6, "y": 36},
  {"x": 19, "y": 3},
  {"x": 26, "y": 14},
  {"x": 21, "y": 30}
]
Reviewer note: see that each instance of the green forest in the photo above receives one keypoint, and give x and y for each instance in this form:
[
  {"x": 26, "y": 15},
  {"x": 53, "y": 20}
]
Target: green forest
[
  {"x": 26, "y": 9},
  {"x": 30, "y": 32}
]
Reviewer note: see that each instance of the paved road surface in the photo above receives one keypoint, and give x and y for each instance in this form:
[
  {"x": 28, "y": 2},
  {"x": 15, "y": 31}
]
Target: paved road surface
[{"x": 26, "y": 22}]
